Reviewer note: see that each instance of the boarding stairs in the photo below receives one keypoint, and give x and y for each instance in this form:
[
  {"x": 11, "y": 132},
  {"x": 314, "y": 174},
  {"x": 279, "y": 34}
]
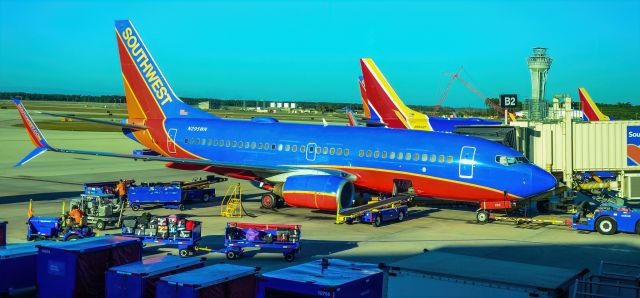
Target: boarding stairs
[{"x": 231, "y": 204}]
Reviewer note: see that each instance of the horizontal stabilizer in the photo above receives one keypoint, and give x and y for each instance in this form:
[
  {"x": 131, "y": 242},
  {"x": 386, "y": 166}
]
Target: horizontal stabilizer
[
  {"x": 125, "y": 125},
  {"x": 37, "y": 151}
]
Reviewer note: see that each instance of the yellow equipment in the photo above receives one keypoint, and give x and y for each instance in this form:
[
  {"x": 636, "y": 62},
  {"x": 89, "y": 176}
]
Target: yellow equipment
[{"x": 231, "y": 204}]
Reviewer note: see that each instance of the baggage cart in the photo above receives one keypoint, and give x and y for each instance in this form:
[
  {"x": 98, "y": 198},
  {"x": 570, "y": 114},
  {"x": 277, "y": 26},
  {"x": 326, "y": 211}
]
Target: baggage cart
[
  {"x": 220, "y": 280},
  {"x": 138, "y": 279},
  {"x": 77, "y": 268},
  {"x": 280, "y": 238},
  {"x": 173, "y": 195},
  {"x": 186, "y": 241},
  {"x": 452, "y": 275},
  {"x": 323, "y": 278}
]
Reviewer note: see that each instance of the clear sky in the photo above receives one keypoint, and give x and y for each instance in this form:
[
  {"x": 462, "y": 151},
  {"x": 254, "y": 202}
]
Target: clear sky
[{"x": 290, "y": 50}]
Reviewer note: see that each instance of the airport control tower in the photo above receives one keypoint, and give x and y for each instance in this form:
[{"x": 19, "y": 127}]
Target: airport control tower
[{"x": 539, "y": 64}]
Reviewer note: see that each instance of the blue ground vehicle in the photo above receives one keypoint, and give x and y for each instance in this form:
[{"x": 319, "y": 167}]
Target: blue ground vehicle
[
  {"x": 52, "y": 228},
  {"x": 272, "y": 237},
  {"x": 172, "y": 195},
  {"x": 186, "y": 245},
  {"x": 607, "y": 218},
  {"x": 379, "y": 216},
  {"x": 377, "y": 211}
]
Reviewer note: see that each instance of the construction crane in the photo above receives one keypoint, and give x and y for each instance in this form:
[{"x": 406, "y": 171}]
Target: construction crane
[{"x": 446, "y": 90}]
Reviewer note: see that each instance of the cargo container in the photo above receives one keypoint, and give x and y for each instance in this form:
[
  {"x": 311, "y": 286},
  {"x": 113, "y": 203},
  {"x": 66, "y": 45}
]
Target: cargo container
[
  {"x": 17, "y": 267},
  {"x": 451, "y": 275},
  {"x": 3, "y": 233},
  {"x": 139, "y": 279},
  {"x": 220, "y": 280},
  {"x": 323, "y": 278},
  {"x": 77, "y": 268}
]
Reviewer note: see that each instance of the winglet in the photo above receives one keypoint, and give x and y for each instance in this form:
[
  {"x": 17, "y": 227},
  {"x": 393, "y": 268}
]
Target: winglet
[{"x": 37, "y": 138}]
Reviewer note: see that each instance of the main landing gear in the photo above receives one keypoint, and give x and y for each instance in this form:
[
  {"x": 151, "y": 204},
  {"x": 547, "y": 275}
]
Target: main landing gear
[{"x": 270, "y": 201}]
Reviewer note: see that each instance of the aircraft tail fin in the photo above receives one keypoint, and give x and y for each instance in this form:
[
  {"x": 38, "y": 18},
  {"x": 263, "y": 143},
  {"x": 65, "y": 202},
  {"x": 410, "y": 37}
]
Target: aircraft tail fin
[
  {"x": 387, "y": 103},
  {"x": 590, "y": 110},
  {"x": 36, "y": 136},
  {"x": 147, "y": 91},
  {"x": 351, "y": 117}
]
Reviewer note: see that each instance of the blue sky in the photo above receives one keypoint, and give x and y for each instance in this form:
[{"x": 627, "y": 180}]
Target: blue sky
[{"x": 289, "y": 50}]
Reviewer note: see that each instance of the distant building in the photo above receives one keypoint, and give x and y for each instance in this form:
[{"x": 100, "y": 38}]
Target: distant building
[
  {"x": 286, "y": 105},
  {"x": 272, "y": 104},
  {"x": 293, "y": 105},
  {"x": 279, "y": 105}
]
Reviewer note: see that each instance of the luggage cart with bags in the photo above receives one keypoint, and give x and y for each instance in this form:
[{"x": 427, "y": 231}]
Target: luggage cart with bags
[{"x": 165, "y": 230}]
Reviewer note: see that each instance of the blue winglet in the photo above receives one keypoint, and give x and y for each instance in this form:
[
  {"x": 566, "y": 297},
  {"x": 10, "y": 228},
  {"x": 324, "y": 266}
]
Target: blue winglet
[{"x": 37, "y": 151}]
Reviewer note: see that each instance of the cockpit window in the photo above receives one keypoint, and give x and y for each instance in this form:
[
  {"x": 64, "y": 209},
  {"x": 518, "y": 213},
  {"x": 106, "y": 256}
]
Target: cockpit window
[{"x": 511, "y": 160}]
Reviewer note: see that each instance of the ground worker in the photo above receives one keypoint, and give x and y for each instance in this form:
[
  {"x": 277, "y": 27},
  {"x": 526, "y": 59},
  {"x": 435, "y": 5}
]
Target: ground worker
[
  {"x": 76, "y": 218},
  {"x": 121, "y": 190}
]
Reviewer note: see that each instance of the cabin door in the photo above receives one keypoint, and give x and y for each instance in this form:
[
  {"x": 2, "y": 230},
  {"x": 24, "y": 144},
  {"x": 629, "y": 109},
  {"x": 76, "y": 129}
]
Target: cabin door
[
  {"x": 467, "y": 155},
  {"x": 171, "y": 145}
]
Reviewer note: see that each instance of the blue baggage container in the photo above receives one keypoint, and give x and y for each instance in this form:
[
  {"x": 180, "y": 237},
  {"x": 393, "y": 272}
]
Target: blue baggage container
[
  {"x": 77, "y": 268},
  {"x": 139, "y": 279},
  {"x": 220, "y": 280},
  {"x": 3, "y": 233},
  {"x": 335, "y": 278},
  {"x": 17, "y": 267}
]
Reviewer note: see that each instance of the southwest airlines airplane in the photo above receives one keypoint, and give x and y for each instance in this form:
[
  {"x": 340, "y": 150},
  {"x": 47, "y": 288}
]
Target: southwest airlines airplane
[
  {"x": 590, "y": 111},
  {"x": 381, "y": 104},
  {"x": 306, "y": 165}
]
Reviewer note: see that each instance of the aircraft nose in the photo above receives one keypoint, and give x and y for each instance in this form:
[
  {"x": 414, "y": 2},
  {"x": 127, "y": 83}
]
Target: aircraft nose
[{"x": 541, "y": 180}]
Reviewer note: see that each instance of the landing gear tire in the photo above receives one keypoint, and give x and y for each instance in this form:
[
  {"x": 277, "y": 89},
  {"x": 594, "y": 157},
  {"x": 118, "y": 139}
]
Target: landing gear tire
[
  {"x": 183, "y": 252},
  {"x": 606, "y": 226},
  {"x": 181, "y": 207},
  {"x": 269, "y": 201},
  {"x": 482, "y": 216},
  {"x": 101, "y": 225},
  {"x": 135, "y": 207},
  {"x": 377, "y": 221},
  {"x": 401, "y": 216}
]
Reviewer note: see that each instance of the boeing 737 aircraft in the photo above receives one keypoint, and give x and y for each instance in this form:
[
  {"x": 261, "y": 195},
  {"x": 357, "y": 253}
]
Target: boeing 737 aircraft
[
  {"x": 381, "y": 102},
  {"x": 307, "y": 165},
  {"x": 590, "y": 111}
]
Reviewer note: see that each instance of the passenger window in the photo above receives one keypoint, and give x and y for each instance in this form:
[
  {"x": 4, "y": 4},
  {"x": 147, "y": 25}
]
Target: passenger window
[
  {"x": 198, "y": 141},
  {"x": 209, "y": 143},
  {"x": 294, "y": 148},
  {"x": 318, "y": 149},
  {"x": 346, "y": 151},
  {"x": 311, "y": 148},
  {"x": 425, "y": 157},
  {"x": 400, "y": 156},
  {"x": 246, "y": 145},
  {"x": 259, "y": 145},
  {"x": 279, "y": 147},
  {"x": 186, "y": 141},
  {"x": 392, "y": 155},
  {"x": 441, "y": 159},
  {"x": 433, "y": 158},
  {"x": 325, "y": 150},
  {"x": 376, "y": 154},
  {"x": 215, "y": 142},
  {"x": 221, "y": 142},
  {"x": 273, "y": 146},
  {"x": 253, "y": 145},
  {"x": 384, "y": 154},
  {"x": 302, "y": 149},
  {"x": 240, "y": 144},
  {"x": 339, "y": 151},
  {"x": 361, "y": 153},
  {"x": 234, "y": 144},
  {"x": 332, "y": 151},
  {"x": 228, "y": 143},
  {"x": 287, "y": 147},
  {"x": 266, "y": 146},
  {"x": 368, "y": 153},
  {"x": 449, "y": 159},
  {"x": 416, "y": 156}
]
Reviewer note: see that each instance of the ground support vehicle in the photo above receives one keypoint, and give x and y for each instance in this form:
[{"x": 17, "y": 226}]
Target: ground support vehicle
[
  {"x": 271, "y": 237},
  {"x": 107, "y": 187},
  {"x": 607, "y": 219},
  {"x": 185, "y": 240},
  {"x": 377, "y": 212},
  {"x": 172, "y": 195},
  {"x": 52, "y": 228},
  {"x": 101, "y": 210}
]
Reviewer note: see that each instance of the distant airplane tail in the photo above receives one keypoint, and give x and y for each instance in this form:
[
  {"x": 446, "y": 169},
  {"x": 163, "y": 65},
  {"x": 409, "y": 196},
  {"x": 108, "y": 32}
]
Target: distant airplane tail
[
  {"x": 370, "y": 114},
  {"x": 351, "y": 117},
  {"x": 590, "y": 110},
  {"x": 387, "y": 103},
  {"x": 148, "y": 93}
]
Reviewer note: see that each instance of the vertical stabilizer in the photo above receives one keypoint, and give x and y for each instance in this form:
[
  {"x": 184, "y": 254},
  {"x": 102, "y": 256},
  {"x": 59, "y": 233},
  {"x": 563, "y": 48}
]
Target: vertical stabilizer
[{"x": 589, "y": 108}]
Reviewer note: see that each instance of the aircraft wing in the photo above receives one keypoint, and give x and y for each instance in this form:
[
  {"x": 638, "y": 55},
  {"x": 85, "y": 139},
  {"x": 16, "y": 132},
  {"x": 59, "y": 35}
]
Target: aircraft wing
[{"x": 124, "y": 125}]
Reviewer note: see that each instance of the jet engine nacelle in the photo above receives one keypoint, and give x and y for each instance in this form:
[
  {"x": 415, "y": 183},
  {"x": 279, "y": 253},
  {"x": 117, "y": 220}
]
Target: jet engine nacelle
[{"x": 324, "y": 192}]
